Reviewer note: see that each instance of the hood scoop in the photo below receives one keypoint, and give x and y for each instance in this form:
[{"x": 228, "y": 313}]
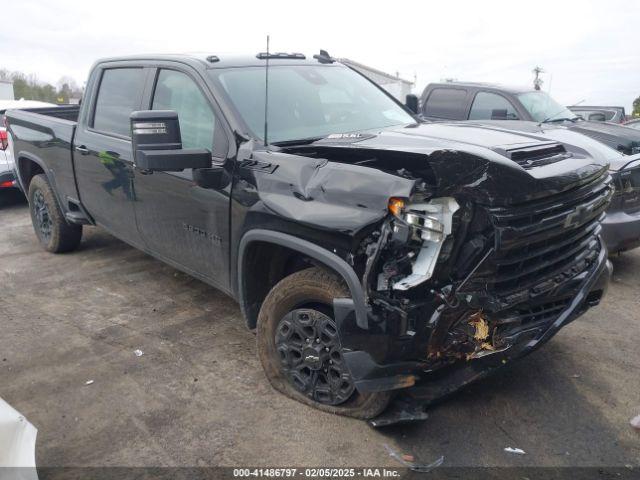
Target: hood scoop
[{"x": 532, "y": 156}]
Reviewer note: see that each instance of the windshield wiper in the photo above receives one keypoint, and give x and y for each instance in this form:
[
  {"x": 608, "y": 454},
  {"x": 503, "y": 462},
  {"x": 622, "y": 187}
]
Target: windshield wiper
[
  {"x": 561, "y": 119},
  {"x": 300, "y": 141}
]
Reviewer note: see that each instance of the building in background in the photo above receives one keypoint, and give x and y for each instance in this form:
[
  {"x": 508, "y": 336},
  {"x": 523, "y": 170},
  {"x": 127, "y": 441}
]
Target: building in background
[
  {"x": 396, "y": 86},
  {"x": 6, "y": 90}
]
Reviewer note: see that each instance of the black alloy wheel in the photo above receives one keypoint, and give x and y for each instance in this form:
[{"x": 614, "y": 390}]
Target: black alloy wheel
[{"x": 309, "y": 347}]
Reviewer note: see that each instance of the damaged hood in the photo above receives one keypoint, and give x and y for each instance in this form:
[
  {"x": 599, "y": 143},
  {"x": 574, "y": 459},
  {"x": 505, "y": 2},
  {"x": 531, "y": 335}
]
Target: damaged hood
[
  {"x": 617, "y": 137},
  {"x": 470, "y": 159}
]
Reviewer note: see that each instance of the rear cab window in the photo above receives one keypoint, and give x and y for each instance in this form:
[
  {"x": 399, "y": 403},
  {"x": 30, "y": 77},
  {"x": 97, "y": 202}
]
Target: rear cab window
[
  {"x": 119, "y": 94},
  {"x": 596, "y": 115},
  {"x": 449, "y": 103}
]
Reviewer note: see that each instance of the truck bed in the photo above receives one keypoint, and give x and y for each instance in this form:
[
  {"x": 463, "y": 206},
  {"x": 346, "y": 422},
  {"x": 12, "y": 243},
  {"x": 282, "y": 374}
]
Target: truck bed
[
  {"x": 65, "y": 112},
  {"x": 44, "y": 136}
]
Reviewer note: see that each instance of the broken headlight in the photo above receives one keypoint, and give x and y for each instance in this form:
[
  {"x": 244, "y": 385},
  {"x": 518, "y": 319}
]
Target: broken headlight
[
  {"x": 426, "y": 225},
  {"x": 430, "y": 223}
]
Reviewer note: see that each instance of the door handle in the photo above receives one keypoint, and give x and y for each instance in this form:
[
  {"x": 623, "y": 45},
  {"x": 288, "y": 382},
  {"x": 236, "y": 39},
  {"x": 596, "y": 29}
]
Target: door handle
[
  {"x": 141, "y": 171},
  {"x": 82, "y": 149}
]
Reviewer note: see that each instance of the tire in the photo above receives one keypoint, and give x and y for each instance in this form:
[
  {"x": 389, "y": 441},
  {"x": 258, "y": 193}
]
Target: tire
[
  {"x": 310, "y": 292},
  {"x": 53, "y": 231}
]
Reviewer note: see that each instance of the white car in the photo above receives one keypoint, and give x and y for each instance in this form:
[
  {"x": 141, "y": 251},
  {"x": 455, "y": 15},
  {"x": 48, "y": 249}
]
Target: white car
[
  {"x": 17, "y": 443},
  {"x": 7, "y": 179}
]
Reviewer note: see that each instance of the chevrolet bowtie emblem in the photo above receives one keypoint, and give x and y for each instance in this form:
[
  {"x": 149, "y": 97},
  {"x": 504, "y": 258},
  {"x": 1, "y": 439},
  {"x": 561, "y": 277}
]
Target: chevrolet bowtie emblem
[{"x": 579, "y": 216}]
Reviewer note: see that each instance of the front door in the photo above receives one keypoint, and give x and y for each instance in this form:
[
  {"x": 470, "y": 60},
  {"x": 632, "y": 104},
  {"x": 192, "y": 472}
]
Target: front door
[{"x": 180, "y": 221}]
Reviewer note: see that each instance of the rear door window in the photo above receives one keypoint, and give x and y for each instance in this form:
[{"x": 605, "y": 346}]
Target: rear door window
[
  {"x": 119, "y": 95},
  {"x": 491, "y": 106},
  {"x": 449, "y": 103}
]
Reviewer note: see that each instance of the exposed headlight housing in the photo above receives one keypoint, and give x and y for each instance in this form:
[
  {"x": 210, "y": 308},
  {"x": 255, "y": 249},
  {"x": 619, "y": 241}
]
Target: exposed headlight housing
[
  {"x": 432, "y": 223},
  {"x": 427, "y": 225}
]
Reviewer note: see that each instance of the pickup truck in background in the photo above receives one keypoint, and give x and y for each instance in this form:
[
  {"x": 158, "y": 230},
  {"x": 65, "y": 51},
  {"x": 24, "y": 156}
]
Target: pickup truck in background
[
  {"x": 378, "y": 258},
  {"x": 483, "y": 101},
  {"x": 599, "y": 114},
  {"x": 635, "y": 123},
  {"x": 536, "y": 113}
]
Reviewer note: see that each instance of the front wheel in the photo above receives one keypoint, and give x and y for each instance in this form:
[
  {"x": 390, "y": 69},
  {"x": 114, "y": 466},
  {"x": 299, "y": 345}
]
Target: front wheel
[
  {"x": 299, "y": 346},
  {"x": 53, "y": 231}
]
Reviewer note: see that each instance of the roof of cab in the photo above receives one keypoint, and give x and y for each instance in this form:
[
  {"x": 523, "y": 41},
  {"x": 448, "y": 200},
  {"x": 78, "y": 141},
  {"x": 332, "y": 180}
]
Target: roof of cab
[{"x": 212, "y": 60}]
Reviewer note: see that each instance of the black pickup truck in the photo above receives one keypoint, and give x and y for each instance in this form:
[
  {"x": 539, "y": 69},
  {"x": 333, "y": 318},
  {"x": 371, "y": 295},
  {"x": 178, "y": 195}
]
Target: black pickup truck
[{"x": 377, "y": 258}]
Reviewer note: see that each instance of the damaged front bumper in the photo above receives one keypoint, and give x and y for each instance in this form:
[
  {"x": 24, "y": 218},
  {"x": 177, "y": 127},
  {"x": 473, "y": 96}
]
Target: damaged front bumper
[{"x": 419, "y": 381}]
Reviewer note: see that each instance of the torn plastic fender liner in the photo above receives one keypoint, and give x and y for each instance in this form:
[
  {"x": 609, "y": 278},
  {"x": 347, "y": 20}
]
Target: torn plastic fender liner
[
  {"x": 327, "y": 195},
  {"x": 355, "y": 304},
  {"x": 368, "y": 375}
]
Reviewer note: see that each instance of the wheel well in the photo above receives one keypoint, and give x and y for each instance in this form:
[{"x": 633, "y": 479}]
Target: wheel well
[
  {"x": 28, "y": 169},
  {"x": 265, "y": 265}
]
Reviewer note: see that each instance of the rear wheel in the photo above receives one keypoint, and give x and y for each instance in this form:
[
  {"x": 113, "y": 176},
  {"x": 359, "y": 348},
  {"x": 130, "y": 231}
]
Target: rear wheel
[
  {"x": 53, "y": 231},
  {"x": 300, "y": 350}
]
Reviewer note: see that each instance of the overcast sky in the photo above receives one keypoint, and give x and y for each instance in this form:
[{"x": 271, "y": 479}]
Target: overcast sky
[{"x": 590, "y": 49}]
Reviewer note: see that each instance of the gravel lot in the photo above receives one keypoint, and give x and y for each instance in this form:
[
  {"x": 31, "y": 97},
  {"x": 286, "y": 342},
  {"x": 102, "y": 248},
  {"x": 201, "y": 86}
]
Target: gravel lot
[{"x": 197, "y": 396}]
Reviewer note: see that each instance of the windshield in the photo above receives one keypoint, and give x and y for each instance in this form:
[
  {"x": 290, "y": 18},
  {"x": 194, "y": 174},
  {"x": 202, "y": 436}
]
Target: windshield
[
  {"x": 544, "y": 108},
  {"x": 308, "y": 101}
]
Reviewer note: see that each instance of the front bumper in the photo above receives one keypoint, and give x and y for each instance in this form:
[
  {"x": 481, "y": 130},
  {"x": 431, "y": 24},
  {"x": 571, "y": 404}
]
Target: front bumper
[
  {"x": 420, "y": 385},
  {"x": 621, "y": 231}
]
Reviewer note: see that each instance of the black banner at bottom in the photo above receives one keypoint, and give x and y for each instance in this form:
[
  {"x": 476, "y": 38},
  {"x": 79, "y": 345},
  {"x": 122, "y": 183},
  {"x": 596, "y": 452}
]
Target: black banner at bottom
[{"x": 340, "y": 473}]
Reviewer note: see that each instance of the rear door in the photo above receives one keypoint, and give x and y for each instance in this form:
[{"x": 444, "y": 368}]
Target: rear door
[
  {"x": 446, "y": 103},
  {"x": 181, "y": 222},
  {"x": 102, "y": 153}
]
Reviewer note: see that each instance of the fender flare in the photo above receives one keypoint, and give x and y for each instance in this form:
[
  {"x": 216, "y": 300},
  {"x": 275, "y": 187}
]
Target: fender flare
[
  {"x": 322, "y": 255},
  {"x": 45, "y": 169}
]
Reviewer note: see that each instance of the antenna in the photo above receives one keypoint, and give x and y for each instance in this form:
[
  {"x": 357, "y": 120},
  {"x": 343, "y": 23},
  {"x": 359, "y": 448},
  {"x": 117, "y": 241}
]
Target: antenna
[{"x": 266, "y": 95}]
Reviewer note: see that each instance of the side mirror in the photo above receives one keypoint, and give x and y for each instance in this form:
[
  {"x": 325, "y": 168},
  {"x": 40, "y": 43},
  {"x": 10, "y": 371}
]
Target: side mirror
[
  {"x": 411, "y": 102},
  {"x": 157, "y": 144}
]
